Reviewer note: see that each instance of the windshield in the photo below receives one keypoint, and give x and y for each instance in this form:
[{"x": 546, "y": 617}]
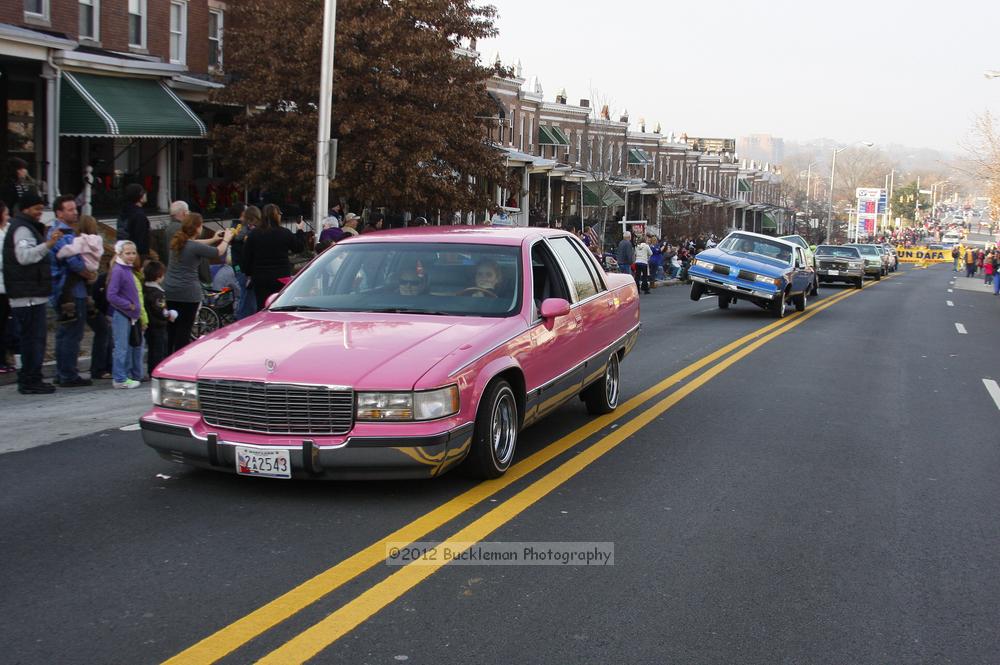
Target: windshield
[
  {"x": 839, "y": 252},
  {"x": 740, "y": 242},
  {"x": 867, "y": 250},
  {"x": 418, "y": 278},
  {"x": 798, "y": 240}
]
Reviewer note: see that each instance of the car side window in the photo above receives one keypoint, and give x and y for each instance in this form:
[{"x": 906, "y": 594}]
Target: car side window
[
  {"x": 800, "y": 259},
  {"x": 578, "y": 272},
  {"x": 546, "y": 278}
]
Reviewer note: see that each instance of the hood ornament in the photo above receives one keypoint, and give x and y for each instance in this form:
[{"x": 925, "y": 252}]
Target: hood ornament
[{"x": 270, "y": 366}]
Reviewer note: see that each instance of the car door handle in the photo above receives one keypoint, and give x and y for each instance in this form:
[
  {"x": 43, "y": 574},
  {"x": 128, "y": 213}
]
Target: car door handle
[{"x": 579, "y": 319}]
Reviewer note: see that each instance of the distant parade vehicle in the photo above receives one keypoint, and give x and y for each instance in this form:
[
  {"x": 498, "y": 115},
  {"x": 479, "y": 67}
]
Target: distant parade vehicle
[
  {"x": 875, "y": 265},
  {"x": 837, "y": 263},
  {"x": 769, "y": 272},
  {"x": 401, "y": 354}
]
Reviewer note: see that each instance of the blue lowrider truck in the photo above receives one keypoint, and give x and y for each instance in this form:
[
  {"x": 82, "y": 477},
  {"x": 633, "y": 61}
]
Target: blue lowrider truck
[{"x": 768, "y": 272}]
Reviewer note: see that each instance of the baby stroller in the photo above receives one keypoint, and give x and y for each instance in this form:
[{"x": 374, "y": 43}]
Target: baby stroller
[{"x": 217, "y": 309}]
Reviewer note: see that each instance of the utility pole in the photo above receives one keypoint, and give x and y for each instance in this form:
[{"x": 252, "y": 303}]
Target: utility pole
[{"x": 325, "y": 111}]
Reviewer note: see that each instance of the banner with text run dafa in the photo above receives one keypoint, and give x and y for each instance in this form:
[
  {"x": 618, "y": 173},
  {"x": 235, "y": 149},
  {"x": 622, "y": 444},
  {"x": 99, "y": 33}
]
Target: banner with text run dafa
[{"x": 923, "y": 255}]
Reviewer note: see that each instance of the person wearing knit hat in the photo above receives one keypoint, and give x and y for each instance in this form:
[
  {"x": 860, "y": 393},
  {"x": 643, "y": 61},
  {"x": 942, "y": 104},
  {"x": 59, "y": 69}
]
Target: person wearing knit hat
[
  {"x": 18, "y": 184},
  {"x": 27, "y": 276}
]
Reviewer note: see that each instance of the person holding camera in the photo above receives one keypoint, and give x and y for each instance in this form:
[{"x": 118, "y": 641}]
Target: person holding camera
[{"x": 182, "y": 284}]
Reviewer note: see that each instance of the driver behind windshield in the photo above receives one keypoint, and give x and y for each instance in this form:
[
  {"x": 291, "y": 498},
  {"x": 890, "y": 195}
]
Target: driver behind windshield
[{"x": 487, "y": 281}]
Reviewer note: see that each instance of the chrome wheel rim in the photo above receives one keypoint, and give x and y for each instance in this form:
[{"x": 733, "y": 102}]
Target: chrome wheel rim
[
  {"x": 611, "y": 381},
  {"x": 503, "y": 429}
]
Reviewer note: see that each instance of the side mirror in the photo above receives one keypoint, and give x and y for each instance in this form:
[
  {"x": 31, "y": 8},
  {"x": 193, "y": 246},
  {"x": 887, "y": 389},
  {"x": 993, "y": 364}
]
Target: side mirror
[
  {"x": 270, "y": 299},
  {"x": 553, "y": 307}
]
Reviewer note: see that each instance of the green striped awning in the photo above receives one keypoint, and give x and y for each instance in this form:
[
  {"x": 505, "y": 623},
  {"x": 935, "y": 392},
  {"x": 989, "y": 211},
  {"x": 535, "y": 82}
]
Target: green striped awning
[
  {"x": 550, "y": 135},
  {"x": 592, "y": 195},
  {"x": 672, "y": 207},
  {"x": 113, "y": 106},
  {"x": 638, "y": 156},
  {"x": 768, "y": 223}
]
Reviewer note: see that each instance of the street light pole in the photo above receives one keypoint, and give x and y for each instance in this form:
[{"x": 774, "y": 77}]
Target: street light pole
[
  {"x": 809, "y": 172},
  {"x": 325, "y": 111},
  {"x": 833, "y": 173},
  {"x": 829, "y": 210}
]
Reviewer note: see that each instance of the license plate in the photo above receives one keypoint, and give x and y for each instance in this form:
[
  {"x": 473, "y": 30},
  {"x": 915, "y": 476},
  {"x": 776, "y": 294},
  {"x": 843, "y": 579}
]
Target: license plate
[
  {"x": 832, "y": 272},
  {"x": 266, "y": 463}
]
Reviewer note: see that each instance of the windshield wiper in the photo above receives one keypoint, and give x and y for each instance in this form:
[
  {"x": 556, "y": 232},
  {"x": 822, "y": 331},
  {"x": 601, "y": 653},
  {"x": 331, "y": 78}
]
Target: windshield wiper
[
  {"x": 300, "y": 308},
  {"x": 411, "y": 310}
]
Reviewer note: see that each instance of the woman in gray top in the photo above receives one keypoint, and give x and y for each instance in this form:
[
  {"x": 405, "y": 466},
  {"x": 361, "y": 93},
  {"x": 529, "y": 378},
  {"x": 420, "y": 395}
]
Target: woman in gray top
[{"x": 181, "y": 284}]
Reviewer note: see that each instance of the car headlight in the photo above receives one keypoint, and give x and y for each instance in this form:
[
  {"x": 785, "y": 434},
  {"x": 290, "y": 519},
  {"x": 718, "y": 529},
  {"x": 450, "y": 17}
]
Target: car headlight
[
  {"x": 385, "y": 406},
  {"x": 854, "y": 264},
  {"x": 874, "y": 262},
  {"x": 174, "y": 394},
  {"x": 423, "y": 405},
  {"x": 435, "y": 403},
  {"x": 704, "y": 264},
  {"x": 774, "y": 281}
]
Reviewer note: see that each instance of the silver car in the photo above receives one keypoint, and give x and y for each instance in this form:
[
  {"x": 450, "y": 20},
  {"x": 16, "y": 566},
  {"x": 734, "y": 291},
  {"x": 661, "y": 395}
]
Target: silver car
[{"x": 838, "y": 263}]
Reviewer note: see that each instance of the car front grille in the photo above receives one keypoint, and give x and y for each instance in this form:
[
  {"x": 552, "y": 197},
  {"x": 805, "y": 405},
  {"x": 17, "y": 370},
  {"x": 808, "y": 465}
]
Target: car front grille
[
  {"x": 272, "y": 408},
  {"x": 722, "y": 270},
  {"x": 747, "y": 275},
  {"x": 833, "y": 265}
]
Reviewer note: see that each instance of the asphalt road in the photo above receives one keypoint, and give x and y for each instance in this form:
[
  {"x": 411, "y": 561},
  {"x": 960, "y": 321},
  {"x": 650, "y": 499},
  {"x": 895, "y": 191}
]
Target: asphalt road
[{"x": 826, "y": 493}]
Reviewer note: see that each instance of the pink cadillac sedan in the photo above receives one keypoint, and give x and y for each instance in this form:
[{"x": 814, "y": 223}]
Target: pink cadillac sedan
[{"x": 401, "y": 354}]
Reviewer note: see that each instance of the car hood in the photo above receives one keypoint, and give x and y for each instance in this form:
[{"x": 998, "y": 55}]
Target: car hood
[
  {"x": 357, "y": 349},
  {"x": 757, "y": 263}
]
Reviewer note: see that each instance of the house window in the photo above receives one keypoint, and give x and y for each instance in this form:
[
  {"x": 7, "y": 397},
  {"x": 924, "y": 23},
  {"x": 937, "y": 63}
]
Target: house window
[
  {"x": 215, "y": 39},
  {"x": 178, "y": 32},
  {"x": 37, "y": 8},
  {"x": 90, "y": 19},
  {"x": 137, "y": 23}
]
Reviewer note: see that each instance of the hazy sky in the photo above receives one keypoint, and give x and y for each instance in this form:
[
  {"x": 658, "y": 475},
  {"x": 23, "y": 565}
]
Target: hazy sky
[{"x": 887, "y": 71}]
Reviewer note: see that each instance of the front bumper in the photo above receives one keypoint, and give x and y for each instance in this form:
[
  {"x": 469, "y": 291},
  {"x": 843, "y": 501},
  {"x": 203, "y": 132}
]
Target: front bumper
[
  {"x": 740, "y": 290},
  {"x": 356, "y": 458},
  {"x": 846, "y": 274},
  {"x": 874, "y": 270}
]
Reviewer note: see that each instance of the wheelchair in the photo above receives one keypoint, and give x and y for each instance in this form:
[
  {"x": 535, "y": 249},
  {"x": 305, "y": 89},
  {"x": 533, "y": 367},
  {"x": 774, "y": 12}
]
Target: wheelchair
[{"x": 217, "y": 309}]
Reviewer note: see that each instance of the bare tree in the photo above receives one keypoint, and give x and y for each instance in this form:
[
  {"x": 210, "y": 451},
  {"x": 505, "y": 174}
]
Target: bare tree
[
  {"x": 983, "y": 158},
  {"x": 598, "y": 159}
]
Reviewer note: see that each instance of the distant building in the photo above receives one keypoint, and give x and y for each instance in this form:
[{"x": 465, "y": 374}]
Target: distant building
[
  {"x": 761, "y": 148},
  {"x": 710, "y": 145}
]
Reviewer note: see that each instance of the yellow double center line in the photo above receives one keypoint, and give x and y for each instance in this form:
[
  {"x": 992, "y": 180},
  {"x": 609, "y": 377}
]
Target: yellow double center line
[{"x": 340, "y": 622}]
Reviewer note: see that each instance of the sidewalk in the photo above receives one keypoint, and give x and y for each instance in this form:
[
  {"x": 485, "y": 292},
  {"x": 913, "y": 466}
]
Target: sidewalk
[
  {"x": 974, "y": 284},
  {"x": 28, "y": 421}
]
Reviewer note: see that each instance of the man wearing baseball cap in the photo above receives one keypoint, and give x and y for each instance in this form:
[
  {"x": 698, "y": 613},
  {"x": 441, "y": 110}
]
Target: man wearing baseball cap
[
  {"x": 27, "y": 274},
  {"x": 351, "y": 224}
]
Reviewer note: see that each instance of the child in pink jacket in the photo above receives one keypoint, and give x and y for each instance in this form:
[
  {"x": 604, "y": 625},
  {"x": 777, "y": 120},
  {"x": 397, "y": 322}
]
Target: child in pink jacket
[{"x": 87, "y": 243}]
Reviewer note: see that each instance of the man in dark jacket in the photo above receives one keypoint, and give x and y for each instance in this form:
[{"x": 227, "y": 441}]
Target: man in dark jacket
[
  {"x": 625, "y": 254},
  {"x": 27, "y": 275},
  {"x": 132, "y": 223}
]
